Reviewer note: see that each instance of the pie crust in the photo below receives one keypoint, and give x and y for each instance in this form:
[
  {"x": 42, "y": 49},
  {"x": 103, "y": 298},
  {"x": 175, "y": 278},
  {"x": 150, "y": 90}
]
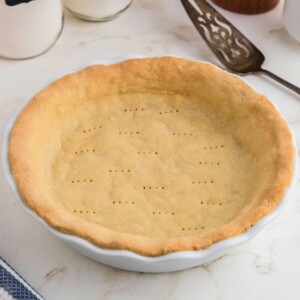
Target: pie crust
[{"x": 151, "y": 155}]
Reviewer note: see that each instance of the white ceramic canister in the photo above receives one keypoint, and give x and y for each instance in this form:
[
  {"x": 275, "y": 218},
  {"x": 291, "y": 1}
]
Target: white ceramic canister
[
  {"x": 29, "y": 27},
  {"x": 291, "y": 18},
  {"x": 97, "y": 10}
]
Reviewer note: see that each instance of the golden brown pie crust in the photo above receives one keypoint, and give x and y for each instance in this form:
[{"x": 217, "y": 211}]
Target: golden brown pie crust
[{"x": 151, "y": 155}]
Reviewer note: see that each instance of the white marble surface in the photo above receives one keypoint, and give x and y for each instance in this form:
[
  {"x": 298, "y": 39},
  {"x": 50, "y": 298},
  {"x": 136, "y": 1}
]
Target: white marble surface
[{"x": 268, "y": 267}]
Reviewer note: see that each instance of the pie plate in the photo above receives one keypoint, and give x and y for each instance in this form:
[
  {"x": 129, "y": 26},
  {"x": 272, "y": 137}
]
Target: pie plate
[{"x": 132, "y": 260}]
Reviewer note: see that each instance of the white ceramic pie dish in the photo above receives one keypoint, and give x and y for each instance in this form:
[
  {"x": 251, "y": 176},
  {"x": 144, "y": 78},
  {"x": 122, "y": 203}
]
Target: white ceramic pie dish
[{"x": 128, "y": 260}]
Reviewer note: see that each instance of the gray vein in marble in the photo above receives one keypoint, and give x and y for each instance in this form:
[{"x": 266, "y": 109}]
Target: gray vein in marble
[
  {"x": 184, "y": 33},
  {"x": 103, "y": 38},
  {"x": 265, "y": 269},
  {"x": 276, "y": 30},
  {"x": 148, "y": 49},
  {"x": 262, "y": 265},
  {"x": 112, "y": 278},
  {"x": 150, "y": 5},
  {"x": 54, "y": 272},
  {"x": 209, "y": 266}
]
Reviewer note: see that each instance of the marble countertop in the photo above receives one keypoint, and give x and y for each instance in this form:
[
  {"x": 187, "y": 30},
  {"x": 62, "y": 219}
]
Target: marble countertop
[{"x": 267, "y": 267}]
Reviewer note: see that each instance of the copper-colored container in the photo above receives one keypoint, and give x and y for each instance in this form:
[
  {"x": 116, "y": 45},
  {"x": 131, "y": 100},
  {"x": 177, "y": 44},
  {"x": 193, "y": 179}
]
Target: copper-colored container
[{"x": 247, "y": 6}]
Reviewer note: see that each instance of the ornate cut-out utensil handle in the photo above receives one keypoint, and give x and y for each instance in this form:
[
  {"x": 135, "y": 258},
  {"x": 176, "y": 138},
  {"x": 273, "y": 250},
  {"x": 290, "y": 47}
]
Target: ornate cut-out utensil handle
[{"x": 231, "y": 47}]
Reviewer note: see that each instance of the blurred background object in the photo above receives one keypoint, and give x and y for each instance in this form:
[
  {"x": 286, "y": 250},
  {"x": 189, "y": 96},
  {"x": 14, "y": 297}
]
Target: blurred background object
[
  {"x": 247, "y": 6},
  {"x": 29, "y": 28},
  {"x": 97, "y": 10},
  {"x": 291, "y": 18}
]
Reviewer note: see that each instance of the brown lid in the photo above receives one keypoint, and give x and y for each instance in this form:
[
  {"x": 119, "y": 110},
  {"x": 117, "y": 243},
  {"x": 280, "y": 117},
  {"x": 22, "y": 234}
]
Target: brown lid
[{"x": 247, "y": 6}]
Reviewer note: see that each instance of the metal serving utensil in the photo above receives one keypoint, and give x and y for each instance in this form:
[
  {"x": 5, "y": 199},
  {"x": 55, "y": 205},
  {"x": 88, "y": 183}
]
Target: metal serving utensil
[{"x": 231, "y": 47}]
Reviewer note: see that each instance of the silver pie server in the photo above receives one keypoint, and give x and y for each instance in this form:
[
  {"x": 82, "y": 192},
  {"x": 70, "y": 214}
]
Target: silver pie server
[{"x": 230, "y": 46}]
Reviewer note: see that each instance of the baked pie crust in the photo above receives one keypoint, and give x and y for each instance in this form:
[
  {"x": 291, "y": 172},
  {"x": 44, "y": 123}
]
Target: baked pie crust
[{"x": 151, "y": 155}]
